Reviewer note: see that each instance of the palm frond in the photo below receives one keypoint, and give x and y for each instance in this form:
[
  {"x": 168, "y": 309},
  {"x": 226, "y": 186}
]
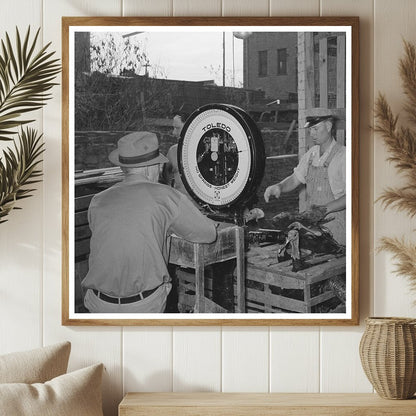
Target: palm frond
[
  {"x": 25, "y": 79},
  {"x": 18, "y": 169}
]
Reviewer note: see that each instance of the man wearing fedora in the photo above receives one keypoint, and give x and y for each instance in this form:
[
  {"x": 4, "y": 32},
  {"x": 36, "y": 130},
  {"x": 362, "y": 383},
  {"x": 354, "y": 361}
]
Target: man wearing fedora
[
  {"x": 322, "y": 170},
  {"x": 130, "y": 224}
]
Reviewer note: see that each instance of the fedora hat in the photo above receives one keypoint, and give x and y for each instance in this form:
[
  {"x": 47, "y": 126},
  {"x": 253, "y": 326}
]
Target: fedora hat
[
  {"x": 312, "y": 121},
  {"x": 136, "y": 150}
]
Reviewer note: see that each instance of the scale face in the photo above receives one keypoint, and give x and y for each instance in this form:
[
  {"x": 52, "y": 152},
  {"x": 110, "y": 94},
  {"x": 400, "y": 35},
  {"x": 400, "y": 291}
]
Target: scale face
[{"x": 220, "y": 156}]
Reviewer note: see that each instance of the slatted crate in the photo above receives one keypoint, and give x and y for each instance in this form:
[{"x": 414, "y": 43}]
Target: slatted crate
[
  {"x": 186, "y": 289},
  {"x": 87, "y": 184},
  {"x": 272, "y": 287},
  {"x": 82, "y": 247}
]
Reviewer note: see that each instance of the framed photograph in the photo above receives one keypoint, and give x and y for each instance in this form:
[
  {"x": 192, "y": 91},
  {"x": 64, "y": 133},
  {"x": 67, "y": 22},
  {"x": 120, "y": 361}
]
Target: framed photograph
[{"x": 210, "y": 171}]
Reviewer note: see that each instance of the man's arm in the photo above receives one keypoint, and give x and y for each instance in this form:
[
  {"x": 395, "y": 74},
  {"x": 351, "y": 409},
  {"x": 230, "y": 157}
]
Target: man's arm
[
  {"x": 192, "y": 225},
  {"x": 90, "y": 213},
  {"x": 337, "y": 179},
  {"x": 286, "y": 185},
  {"x": 332, "y": 206},
  {"x": 336, "y": 205}
]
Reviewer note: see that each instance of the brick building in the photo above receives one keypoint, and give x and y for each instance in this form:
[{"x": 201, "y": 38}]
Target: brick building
[{"x": 270, "y": 64}]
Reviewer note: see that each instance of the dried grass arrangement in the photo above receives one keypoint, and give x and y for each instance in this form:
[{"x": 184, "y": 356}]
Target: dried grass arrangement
[
  {"x": 401, "y": 143},
  {"x": 25, "y": 78}
]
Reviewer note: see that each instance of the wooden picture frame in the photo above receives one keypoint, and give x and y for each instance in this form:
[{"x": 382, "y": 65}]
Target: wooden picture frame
[{"x": 320, "y": 61}]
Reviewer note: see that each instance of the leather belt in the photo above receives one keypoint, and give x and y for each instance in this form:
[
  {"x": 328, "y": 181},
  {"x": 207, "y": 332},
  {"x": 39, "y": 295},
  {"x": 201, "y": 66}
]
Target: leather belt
[{"x": 122, "y": 301}]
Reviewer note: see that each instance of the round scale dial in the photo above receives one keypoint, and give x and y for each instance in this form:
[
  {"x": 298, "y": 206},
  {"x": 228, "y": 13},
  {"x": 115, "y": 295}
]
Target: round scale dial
[{"x": 221, "y": 155}]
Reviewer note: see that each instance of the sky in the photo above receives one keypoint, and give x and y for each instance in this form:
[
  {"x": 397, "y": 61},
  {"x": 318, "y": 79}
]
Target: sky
[{"x": 192, "y": 56}]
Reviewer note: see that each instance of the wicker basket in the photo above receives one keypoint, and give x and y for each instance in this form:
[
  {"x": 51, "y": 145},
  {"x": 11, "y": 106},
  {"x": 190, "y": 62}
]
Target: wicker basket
[{"x": 388, "y": 356}]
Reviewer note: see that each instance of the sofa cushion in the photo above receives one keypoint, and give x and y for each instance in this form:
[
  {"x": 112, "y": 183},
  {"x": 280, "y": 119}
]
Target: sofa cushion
[
  {"x": 35, "y": 366},
  {"x": 73, "y": 394}
]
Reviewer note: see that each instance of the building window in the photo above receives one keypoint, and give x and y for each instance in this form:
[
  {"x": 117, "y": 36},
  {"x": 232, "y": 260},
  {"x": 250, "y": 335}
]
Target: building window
[
  {"x": 282, "y": 61},
  {"x": 262, "y": 63}
]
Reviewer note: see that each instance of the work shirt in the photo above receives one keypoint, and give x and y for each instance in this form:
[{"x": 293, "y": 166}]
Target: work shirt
[
  {"x": 130, "y": 223},
  {"x": 336, "y": 168}
]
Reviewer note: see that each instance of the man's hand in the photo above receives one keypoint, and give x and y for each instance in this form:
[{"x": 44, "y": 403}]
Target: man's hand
[
  {"x": 273, "y": 190},
  {"x": 314, "y": 214},
  {"x": 320, "y": 210}
]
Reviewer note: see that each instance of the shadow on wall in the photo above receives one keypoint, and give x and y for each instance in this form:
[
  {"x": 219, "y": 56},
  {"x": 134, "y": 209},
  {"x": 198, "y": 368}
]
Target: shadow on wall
[
  {"x": 110, "y": 386},
  {"x": 160, "y": 381}
]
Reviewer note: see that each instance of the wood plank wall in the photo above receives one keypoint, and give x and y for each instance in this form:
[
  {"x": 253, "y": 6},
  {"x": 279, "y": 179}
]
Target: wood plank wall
[{"x": 245, "y": 359}]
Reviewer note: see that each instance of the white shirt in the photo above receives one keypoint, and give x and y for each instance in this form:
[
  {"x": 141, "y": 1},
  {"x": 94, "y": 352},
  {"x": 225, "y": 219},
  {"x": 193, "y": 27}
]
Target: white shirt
[{"x": 336, "y": 168}]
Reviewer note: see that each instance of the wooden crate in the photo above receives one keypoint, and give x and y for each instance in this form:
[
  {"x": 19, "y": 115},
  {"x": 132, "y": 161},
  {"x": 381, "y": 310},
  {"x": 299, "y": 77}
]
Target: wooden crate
[
  {"x": 272, "y": 287},
  {"x": 186, "y": 292},
  {"x": 229, "y": 245},
  {"x": 186, "y": 289},
  {"x": 82, "y": 247}
]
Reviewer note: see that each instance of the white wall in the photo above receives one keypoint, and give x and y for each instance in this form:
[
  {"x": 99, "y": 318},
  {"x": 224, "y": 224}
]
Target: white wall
[{"x": 261, "y": 359}]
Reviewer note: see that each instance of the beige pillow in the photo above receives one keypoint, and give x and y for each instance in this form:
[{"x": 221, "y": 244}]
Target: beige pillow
[
  {"x": 35, "y": 366},
  {"x": 73, "y": 394}
]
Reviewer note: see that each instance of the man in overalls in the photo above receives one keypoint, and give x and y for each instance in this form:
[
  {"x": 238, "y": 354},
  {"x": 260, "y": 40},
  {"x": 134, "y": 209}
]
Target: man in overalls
[{"x": 322, "y": 170}]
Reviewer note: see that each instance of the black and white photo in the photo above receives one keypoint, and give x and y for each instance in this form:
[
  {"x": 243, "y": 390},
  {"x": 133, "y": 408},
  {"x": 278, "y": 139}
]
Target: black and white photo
[{"x": 212, "y": 171}]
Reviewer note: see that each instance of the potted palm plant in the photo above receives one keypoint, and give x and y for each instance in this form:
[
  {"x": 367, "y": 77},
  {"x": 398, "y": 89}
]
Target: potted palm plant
[{"x": 26, "y": 78}]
